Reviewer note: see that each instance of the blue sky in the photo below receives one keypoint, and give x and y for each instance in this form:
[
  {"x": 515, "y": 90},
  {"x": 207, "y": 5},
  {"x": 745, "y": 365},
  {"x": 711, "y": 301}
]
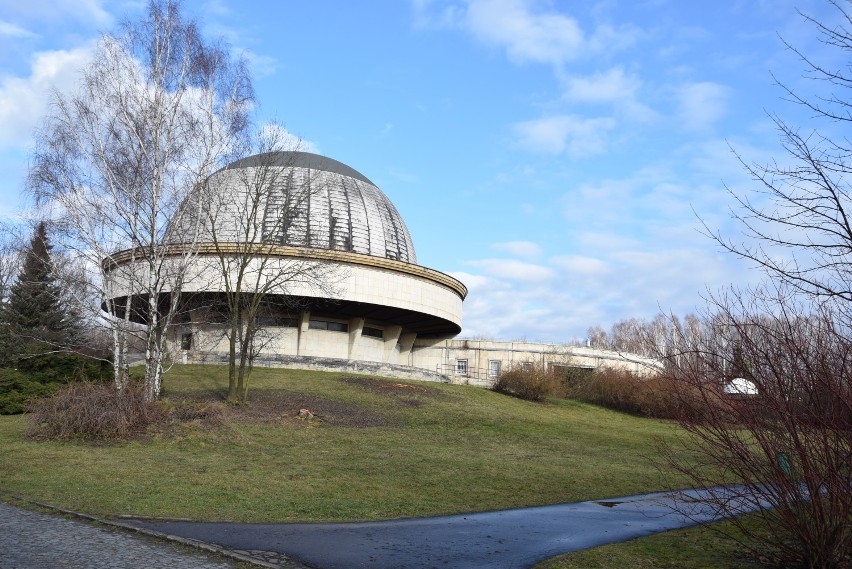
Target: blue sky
[{"x": 551, "y": 155}]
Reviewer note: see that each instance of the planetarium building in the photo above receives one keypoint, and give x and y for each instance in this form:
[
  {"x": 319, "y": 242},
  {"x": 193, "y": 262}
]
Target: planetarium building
[{"x": 339, "y": 275}]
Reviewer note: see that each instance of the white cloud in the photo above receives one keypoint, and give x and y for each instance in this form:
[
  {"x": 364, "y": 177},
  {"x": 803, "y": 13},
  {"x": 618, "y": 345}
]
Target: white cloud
[
  {"x": 526, "y": 33},
  {"x": 598, "y": 288},
  {"x": 87, "y": 12},
  {"x": 701, "y": 104},
  {"x": 12, "y": 30},
  {"x": 581, "y": 266},
  {"x": 261, "y": 65},
  {"x": 524, "y": 249},
  {"x": 611, "y": 86},
  {"x": 556, "y": 134},
  {"x": 24, "y": 100},
  {"x": 547, "y": 37},
  {"x": 514, "y": 270},
  {"x": 286, "y": 139}
]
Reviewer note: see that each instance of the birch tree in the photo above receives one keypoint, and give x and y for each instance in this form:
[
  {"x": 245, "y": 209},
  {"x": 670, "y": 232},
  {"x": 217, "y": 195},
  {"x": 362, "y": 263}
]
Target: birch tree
[{"x": 156, "y": 112}]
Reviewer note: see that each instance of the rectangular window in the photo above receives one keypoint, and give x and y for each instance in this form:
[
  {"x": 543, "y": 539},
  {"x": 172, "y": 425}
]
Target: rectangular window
[
  {"x": 186, "y": 341},
  {"x": 278, "y": 321},
  {"x": 527, "y": 366},
  {"x": 493, "y": 368},
  {"x": 373, "y": 332},
  {"x": 461, "y": 367},
  {"x": 326, "y": 325}
]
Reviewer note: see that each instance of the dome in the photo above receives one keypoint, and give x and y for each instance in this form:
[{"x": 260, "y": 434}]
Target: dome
[{"x": 305, "y": 200}]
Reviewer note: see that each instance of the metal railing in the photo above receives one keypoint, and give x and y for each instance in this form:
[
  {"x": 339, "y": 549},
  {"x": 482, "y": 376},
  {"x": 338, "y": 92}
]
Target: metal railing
[{"x": 478, "y": 373}]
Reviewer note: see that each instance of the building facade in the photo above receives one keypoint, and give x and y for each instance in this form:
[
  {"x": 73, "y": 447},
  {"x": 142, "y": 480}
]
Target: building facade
[{"x": 339, "y": 275}]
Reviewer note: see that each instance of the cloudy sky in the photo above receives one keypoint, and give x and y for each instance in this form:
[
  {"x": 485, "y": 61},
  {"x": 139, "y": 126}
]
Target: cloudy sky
[{"x": 555, "y": 156}]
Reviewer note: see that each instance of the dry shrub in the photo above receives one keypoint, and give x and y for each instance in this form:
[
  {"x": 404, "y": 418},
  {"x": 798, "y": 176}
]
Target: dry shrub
[
  {"x": 533, "y": 384},
  {"x": 87, "y": 410},
  {"x": 652, "y": 396}
]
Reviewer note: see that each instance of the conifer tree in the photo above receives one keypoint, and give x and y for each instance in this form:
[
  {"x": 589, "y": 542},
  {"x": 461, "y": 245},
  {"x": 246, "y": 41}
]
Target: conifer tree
[{"x": 34, "y": 320}]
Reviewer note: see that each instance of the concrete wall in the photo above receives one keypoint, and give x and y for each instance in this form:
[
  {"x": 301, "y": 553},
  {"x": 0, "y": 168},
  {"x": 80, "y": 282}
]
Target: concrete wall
[{"x": 398, "y": 354}]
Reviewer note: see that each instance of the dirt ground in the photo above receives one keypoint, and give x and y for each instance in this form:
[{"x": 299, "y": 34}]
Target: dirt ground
[{"x": 282, "y": 406}]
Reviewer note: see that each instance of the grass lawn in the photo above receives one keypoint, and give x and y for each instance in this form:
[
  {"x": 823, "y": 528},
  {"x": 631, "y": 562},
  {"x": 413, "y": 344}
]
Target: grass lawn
[
  {"x": 378, "y": 449},
  {"x": 692, "y": 548}
]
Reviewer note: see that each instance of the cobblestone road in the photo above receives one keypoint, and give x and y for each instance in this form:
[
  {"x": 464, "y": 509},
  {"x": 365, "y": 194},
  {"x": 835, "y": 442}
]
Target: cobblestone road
[{"x": 33, "y": 540}]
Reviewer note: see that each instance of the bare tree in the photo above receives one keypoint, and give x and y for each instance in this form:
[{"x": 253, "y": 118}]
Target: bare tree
[
  {"x": 10, "y": 260},
  {"x": 597, "y": 337},
  {"x": 789, "y": 445},
  {"x": 157, "y": 111},
  {"x": 798, "y": 218},
  {"x": 247, "y": 210}
]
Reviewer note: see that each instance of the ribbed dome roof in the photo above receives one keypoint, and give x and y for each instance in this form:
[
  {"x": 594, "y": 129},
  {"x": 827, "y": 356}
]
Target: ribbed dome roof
[{"x": 306, "y": 200}]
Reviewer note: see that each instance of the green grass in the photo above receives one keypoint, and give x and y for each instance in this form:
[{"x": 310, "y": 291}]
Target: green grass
[
  {"x": 451, "y": 449},
  {"x": 699, "y": 547}
]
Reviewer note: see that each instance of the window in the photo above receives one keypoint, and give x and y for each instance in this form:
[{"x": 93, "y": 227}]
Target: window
[
  {"x": 527, "y": 366},
  {"x": 278, "y": 321},
  {"x": 373, "y": 332},
  {"x": 493, "y": 368},
  {"x": 186, "y": 341},
  {"x": 461, "y": 367},
  {"x": 326, "y": 325}
]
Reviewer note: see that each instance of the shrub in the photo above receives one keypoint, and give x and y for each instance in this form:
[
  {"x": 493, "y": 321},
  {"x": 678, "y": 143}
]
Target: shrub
[
  {"x": 87, "y": 410},
  {"x": 17, "y": 389},
  {"x": 47, "y": 367},
  {"x": 41, "y": 374},
  {"x": 654, "y": 396},
  {"x": 532, "y": 384}
]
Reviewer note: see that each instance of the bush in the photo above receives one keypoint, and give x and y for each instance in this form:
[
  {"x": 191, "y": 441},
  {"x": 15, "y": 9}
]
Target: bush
[
  {"x": 42, "y": 374},
  {"x": 532, "y": 384},
  {"x": 17, "y": 389},
  {"x": 654, "y": 396},
  {"x": 87, "y": 410},
  {"x": 42, "y": 367}
]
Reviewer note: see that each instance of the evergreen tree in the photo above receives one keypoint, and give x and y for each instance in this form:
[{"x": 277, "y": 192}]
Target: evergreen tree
[{"x": 34, "y": 319}]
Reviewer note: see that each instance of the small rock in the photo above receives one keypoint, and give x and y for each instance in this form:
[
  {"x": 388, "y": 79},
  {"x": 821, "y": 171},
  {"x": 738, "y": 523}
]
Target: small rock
[{"x": 306, "y": 414}]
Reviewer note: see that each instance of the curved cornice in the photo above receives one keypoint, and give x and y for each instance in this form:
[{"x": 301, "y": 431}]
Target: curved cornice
[{"x": 215, "y": 249}]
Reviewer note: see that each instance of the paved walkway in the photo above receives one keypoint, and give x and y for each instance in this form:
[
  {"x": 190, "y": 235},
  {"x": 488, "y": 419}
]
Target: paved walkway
[
  {"x": 505, "y": 539},
  {"x": 33, "y": 540}
]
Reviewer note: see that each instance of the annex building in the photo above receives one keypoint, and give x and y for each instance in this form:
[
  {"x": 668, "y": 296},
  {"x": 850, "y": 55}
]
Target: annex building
[{"x": 343, "y": 289}]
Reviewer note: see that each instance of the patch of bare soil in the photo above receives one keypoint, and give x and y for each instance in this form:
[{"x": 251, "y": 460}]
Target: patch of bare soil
[{"x": 279, "y": 406}]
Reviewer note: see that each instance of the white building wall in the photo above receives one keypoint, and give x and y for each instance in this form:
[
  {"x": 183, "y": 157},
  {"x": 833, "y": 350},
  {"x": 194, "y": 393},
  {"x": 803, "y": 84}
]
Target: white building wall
[{"x": 399, "y": 354}]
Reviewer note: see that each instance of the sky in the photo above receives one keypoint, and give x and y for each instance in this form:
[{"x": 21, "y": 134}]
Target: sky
[{"x": 559, "y": 158}]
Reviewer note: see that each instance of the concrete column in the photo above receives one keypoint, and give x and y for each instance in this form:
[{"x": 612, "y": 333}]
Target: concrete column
[
  {"x": 391, "y": 337},
  {"x": 356, "y": 327},
  {"x": 302, "y": 331},
  {"x": 406, "y": 343}
]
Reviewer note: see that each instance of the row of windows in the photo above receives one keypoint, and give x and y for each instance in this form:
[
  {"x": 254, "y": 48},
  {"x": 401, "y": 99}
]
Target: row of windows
[
  {"x": 317, "y": 325},
  {"x": 493, "y": 367}
]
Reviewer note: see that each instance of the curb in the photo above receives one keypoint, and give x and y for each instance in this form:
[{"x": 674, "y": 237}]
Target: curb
[{"x": 245, "y": 556}]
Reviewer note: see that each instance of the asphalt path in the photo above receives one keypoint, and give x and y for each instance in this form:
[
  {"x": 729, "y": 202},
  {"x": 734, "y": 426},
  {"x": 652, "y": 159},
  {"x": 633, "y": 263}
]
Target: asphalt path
[{"x": 504, "y": 539}]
